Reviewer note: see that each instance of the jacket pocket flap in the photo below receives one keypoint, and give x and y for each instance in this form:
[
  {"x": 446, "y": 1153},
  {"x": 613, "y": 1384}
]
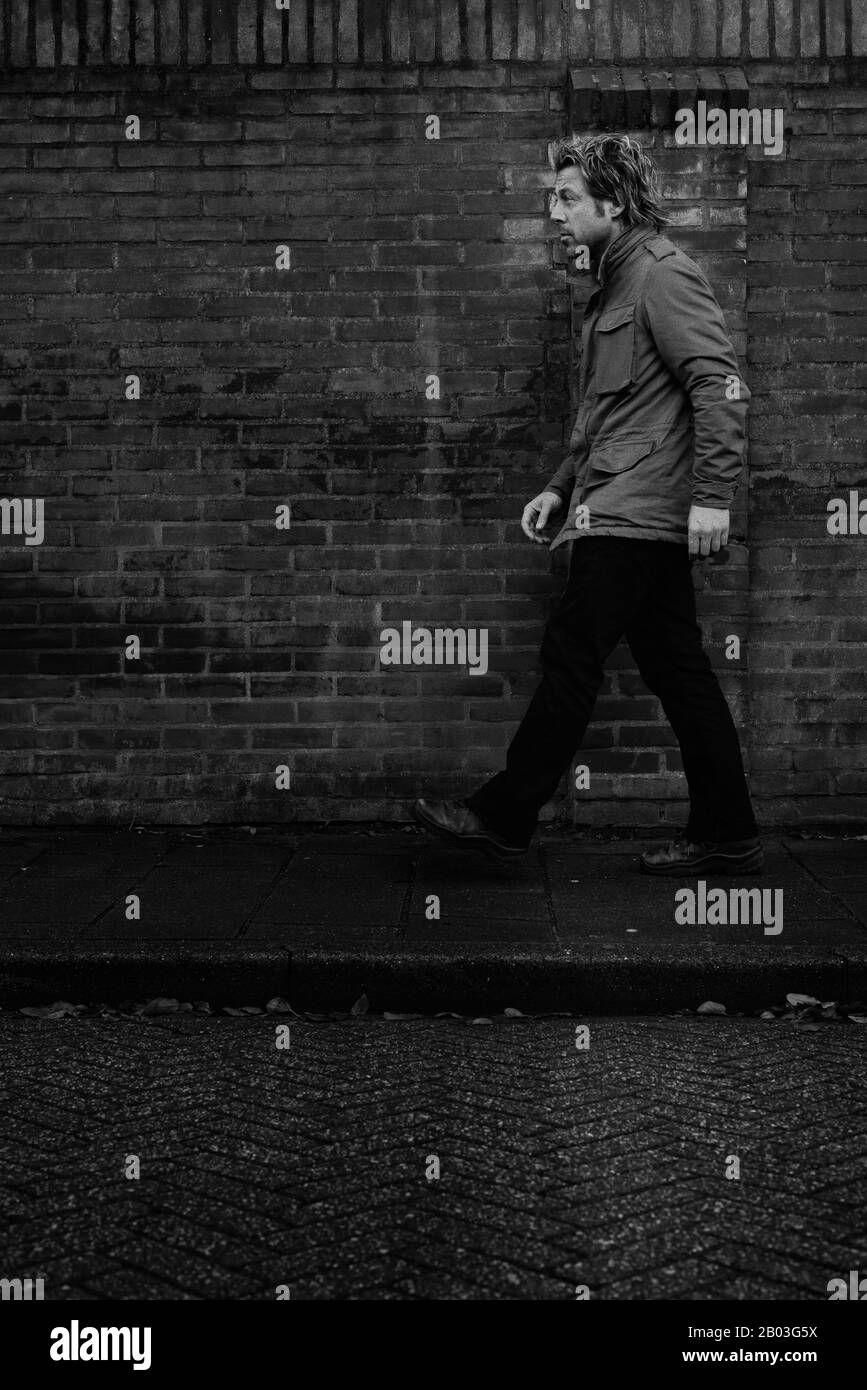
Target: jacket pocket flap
[
  {"x": 615, "y": 318},
  {"x": 616, "y": 458}
]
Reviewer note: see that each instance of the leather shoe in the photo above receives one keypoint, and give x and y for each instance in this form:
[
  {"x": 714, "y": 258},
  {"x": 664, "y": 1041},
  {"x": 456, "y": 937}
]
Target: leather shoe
[
  {"x": 681, "y": 857},
  {"x": 458, "y": 823}
]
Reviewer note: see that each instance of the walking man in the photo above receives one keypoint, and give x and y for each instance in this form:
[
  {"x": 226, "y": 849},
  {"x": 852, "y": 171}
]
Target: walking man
[{"x": 654, "y": 460}]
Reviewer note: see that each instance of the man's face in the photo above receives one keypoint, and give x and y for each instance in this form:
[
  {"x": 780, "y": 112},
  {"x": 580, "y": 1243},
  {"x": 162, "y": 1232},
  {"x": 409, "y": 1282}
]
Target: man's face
[{"x": 581, "y": 219}]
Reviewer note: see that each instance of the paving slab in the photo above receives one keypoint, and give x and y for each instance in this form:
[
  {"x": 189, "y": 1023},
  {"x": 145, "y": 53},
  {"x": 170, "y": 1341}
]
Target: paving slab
[
  {"x": 55, "y": 907},
  {"x": 416, "y": 920},
  {"x": 176, "y": 901}
]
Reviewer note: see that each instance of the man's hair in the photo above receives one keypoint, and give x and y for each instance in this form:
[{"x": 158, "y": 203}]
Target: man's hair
[{"x": 614, "y": 167}]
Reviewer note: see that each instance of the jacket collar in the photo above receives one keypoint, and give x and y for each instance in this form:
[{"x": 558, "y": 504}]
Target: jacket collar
[{"x": 620, "y": 248}]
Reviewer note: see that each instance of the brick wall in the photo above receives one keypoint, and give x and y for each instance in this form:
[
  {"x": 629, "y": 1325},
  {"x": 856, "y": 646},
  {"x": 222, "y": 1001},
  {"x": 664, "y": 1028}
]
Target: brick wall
[
  {"x": 305, "y": 387},
  {"x": 142, "y": 33},
  {"x": 807, "y": 326}
]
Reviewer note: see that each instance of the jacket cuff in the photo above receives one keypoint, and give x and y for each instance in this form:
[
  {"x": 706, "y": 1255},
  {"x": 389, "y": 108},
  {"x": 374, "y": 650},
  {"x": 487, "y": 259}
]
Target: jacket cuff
[
  {"x": 706, "y": 496},
  {"x": 562, "y": 481}
]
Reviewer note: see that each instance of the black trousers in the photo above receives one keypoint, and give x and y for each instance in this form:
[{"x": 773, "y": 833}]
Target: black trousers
[{"x": 640, "y": 589}]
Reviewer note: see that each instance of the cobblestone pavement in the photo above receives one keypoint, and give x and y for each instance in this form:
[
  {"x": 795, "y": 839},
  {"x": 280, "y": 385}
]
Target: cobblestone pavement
[{"x": 313, "y": 1166}]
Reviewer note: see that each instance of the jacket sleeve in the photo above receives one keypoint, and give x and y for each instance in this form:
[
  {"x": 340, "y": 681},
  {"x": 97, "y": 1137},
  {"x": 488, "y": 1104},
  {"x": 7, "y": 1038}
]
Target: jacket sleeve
[
  {"x": 562, "y": 480},
  {"x": 689, "y": 330}
]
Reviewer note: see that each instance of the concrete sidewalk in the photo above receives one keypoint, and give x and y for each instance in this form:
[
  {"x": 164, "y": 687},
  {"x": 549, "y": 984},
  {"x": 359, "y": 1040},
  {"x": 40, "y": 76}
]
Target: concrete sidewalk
[{"x": 321, "y": 917}]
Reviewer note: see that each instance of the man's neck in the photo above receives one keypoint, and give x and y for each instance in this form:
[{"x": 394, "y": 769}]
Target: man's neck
[{"x": 598, "y": 255}]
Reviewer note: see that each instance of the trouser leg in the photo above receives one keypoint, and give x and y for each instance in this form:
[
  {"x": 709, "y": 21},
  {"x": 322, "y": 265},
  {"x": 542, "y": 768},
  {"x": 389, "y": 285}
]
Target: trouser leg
[
  {"x": 607, "y": 585},
  {"x": 666, "y": 643}
]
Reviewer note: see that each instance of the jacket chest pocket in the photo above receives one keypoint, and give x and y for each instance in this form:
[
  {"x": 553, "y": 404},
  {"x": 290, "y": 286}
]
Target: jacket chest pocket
[{"x": 614, "y": 350}]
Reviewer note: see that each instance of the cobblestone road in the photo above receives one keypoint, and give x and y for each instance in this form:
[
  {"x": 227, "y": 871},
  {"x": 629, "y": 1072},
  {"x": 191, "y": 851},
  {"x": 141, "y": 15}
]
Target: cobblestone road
[{"x": 312, "y": 1167}]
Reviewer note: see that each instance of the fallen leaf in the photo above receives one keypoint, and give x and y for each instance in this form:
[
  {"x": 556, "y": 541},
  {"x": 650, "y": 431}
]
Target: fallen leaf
[
  {"x": 513, "y": 1013},
  {"x": 766, "y": 1013},
  {"x": 710, "y": 1007},
  {"x": 446, "y": 1013},
  {"x": 858, "y": 1018},
  {"x": 393, "y": 1017},
  {"x": 279, "y": 1005},
  {"x": 482, "y": 1020},
  {"x": 360, "y": 1006},
  {"x": 798, "y": 999},
  {"x": 161, "y": 1006},
  {"x": 60, "y": 1009},
  {"x": 202, "y": 1006},
  {"x": 236, "y": 1013}
]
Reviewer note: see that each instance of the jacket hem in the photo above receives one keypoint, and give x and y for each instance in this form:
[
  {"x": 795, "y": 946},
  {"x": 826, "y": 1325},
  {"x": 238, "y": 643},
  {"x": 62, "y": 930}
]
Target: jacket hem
[{"x": 635, "y": 533}]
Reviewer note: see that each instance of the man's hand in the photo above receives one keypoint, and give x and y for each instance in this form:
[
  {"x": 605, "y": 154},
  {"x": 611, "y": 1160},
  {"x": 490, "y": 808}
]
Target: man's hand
[
  {"x": 708, "y": 529},
  {"x": 537, "y": 514}
]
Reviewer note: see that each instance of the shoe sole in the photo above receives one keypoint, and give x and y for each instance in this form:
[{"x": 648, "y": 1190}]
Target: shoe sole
[
  {"x": 751, "y": 863},
  {"x": 481, "y": 842}
]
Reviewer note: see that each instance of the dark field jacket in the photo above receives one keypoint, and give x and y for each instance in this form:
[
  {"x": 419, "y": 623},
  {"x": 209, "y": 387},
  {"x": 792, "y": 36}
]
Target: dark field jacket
[{"x": 658, "y": 427}]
